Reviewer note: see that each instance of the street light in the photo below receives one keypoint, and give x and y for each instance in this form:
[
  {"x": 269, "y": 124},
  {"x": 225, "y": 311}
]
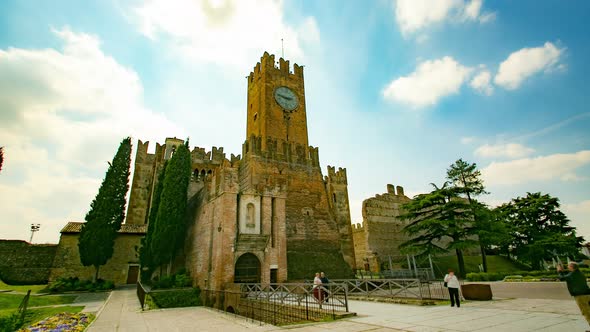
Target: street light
[{"x": 34, "y": 228}]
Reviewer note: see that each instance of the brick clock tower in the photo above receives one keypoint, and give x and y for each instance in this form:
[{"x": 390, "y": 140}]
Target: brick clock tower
[
  {"x": 277, "y": 158},
  {"x": 276, "y": 102}
]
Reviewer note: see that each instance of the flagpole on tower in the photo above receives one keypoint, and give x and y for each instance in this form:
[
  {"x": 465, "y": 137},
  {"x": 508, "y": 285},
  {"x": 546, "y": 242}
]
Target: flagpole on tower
[{"x": 282, "y": 49}]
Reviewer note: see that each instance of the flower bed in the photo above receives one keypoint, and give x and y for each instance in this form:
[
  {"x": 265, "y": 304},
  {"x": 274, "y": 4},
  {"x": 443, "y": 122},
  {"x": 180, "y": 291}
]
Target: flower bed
[{"x": 62, "y": 322}]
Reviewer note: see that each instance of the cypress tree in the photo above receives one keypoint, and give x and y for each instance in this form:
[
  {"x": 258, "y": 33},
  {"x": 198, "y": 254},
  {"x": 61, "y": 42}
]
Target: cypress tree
[
  {"x": 169, "y": 228},
  {"x": 146, "y": 254},
  {"x": 107, "y": 212}
]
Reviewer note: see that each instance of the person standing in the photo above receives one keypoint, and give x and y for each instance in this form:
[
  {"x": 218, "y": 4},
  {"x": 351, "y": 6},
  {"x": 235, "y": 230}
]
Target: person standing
[
  {"x": 317, "y": 285},
  {"x": 325, "y": 282},
  {"x": 453, "y": 286},
  {"x": 577, "y": 286}
]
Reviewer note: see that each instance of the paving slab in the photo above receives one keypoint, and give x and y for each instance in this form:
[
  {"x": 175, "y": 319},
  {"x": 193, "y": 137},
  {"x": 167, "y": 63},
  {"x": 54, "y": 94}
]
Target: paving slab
[{"x": 122, "y": 312}]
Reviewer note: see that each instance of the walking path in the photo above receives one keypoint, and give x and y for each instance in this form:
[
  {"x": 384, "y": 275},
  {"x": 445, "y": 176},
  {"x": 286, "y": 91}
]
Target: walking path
[{"x": 122, "y": 313}]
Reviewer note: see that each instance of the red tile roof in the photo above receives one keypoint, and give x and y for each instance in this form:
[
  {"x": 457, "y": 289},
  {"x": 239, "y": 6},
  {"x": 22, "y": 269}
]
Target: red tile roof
[{"x": 76, "y": 227}]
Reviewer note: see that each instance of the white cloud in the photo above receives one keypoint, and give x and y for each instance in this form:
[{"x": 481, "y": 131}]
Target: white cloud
[
  {"x": 227, "y": 32},
  {"x": 545, "y": 168},
  {"x": 579, "y": 214},
  {"x": 487, "y": 17},
  {"x": 481, "y": 83},
  {"x": 430, "y": 81},
  {"x": 467, "y": 140},
  {"x": 526, "y": 62},
  {"x": 64, "y": 113},
  {"x": 508, "y": 150},
  {"x": 415, "y": 15}
]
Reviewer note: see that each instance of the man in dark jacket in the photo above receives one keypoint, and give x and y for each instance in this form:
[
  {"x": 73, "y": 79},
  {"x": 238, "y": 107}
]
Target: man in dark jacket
[
  {"x": 325, "y": 282},
  {"x": 577, "y": 286}
]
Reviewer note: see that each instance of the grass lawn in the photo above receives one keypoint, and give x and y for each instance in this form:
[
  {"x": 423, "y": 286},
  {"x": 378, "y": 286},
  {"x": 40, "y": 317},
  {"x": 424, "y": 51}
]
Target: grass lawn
[
  {"x": 23, "y": 288},
  {"x": 12, "y": 301},
  {"x": 495, "y": 264}
]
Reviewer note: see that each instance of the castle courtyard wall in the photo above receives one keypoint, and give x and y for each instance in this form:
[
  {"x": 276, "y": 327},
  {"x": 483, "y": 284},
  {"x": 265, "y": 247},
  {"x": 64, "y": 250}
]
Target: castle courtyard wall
[{"x": 67, "y": 259}]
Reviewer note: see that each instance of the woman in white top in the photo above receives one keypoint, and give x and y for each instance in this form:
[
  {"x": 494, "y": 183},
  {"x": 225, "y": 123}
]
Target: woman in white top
[
  {"x": 453, "y": 286},
  {"x": 317, "y": 282}
]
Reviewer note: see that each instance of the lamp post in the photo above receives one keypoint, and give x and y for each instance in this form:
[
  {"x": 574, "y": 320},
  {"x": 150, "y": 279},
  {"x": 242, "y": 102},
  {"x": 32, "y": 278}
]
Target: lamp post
[{"x": 34, "y": 228}]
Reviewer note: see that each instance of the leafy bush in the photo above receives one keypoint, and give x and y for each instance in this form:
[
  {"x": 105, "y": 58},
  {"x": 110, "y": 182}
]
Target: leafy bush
[
  {"x": 483, "y": 276},
  {"x": 10, "y": 323},
  {"x": 75, "y": 284},
  {"x": 178, "y": 280},
  {"x": 174, "y": 298}
]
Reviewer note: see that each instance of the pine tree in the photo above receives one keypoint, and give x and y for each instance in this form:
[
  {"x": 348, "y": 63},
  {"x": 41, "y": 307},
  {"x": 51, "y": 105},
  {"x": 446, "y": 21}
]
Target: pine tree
[
  {"x": 466, "y": 178},
  {"x": 440, "y": 221},
  {"x": 169, "y": 227},
  {"x": 146, "y": 254},
  {"x": 541, "y": 230},
  {"x": 107, "y": 212}
]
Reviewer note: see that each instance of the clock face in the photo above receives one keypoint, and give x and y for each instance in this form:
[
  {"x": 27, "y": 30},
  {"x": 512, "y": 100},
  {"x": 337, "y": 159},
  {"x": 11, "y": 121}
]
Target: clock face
[{"x": 286, "y": 98}]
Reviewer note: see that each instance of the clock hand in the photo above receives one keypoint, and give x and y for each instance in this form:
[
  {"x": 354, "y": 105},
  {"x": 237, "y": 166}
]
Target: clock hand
[{"x": 286, "y": 97}]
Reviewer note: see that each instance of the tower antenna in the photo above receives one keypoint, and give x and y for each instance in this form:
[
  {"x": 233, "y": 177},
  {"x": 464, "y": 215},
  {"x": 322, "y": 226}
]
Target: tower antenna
[{"x": 282, "y": 49}]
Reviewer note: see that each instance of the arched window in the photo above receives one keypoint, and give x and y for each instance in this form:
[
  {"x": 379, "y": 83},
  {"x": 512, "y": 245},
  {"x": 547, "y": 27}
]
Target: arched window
[{"x": 247, "y": 269}]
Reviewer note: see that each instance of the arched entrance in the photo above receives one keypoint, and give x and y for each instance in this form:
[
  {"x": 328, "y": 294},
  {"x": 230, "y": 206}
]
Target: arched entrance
[{"x": 247, "y": 269}]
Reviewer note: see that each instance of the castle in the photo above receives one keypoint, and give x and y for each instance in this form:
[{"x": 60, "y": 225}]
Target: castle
[{"x": 269, "y": 215}]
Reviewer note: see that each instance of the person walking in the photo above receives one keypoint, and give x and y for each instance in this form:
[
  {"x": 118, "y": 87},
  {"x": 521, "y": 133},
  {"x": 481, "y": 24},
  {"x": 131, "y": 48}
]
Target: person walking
[
  {"x": 325, "y": 282},
  {"x": 453, "y": 286},
  {"x": 317, "y": 287},
  {"x": 577, "y": 286}
]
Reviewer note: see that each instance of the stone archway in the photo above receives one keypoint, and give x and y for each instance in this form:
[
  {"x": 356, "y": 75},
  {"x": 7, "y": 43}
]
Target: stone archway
[{"x": 247, "y": 269}]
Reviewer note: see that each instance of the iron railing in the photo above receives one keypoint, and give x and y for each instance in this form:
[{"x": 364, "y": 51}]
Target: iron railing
[
  {"x": 396, "y": 288},
  {"x": 283, "y": 303},
  {"x": 22, "y": 308},
  {"x": 141, "y": 294}
]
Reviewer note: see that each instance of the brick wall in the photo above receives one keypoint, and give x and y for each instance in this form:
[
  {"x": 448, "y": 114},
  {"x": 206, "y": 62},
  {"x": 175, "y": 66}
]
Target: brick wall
[{"x": 25, "y": 263}]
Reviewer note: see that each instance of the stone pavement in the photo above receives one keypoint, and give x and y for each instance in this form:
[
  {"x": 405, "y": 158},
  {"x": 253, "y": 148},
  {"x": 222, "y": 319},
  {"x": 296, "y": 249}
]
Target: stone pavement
[
  {"x": 92, "y": 302},
  {"x": 122, "y": 313}
]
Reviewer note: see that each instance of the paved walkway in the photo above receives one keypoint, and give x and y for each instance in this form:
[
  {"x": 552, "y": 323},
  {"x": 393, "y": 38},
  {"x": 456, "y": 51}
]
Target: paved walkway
[{"x": 122, "y": 313}]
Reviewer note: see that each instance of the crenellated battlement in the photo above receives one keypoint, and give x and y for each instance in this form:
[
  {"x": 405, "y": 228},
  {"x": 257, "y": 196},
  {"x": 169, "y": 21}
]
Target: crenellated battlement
[
  {"x": 281, "y": 150},
  {"x": 358, "y": 228},
  {"x": 338, "y": 176},
  {"x": 393, "y": 190},
  {"x": 201, "y": 156},
  {"x": 142, "y": 156},
  {"x": 267, "y": 65}
]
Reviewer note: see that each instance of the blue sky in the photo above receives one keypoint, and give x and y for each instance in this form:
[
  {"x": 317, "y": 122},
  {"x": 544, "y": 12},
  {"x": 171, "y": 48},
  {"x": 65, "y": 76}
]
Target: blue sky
[{"x": 396, "y": 91}]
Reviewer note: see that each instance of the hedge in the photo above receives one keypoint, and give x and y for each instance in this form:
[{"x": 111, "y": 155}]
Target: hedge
[
  {"x": 494, "y": 276},
  {"x": 174, "y": 298},
  {"x": 75, "y": 284}
]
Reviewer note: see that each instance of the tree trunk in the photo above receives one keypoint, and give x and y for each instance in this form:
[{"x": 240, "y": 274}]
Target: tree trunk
[
  {"x": 461, "y": 263},
  {"x": 95, "y": 278},
  {"x": 484, "y": 259}
]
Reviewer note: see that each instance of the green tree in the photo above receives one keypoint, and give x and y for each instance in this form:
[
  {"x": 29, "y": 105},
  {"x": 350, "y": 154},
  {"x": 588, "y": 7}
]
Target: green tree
[
  {"x": 490, "y": 229},
  {"x": 541, "y": 230},
  {"x": 169, "y": 227},
  {"x": 466, "y": 178},
  {"x": 107, "y": 212},
  {"x": 439, "y": 221},
  {"x": 146, "y": 255}
]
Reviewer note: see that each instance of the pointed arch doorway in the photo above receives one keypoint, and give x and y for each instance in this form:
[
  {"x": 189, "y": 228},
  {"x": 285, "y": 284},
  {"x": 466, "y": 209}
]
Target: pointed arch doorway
[{"x": 247, "y": 269}]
